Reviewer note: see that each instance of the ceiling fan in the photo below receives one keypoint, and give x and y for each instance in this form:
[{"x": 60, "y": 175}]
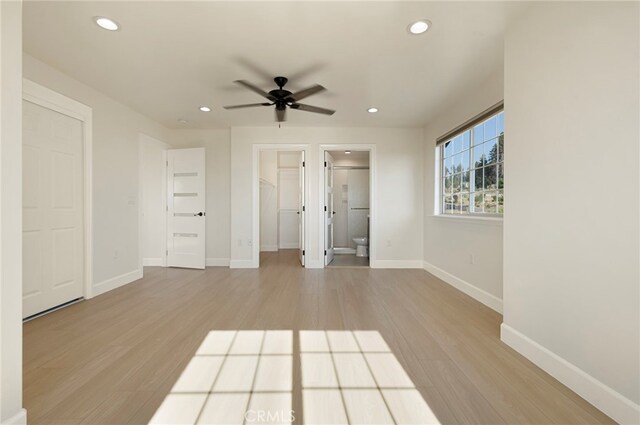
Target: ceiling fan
[{"x": 282, "y": 98}]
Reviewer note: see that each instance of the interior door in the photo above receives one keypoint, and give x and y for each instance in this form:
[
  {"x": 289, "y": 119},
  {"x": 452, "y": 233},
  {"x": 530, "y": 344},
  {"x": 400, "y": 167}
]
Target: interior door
[
  {"x": 328, "y": 208},
  {"x": 301, "y": 209},
  {"x": 52, "y": 209},
  {"x": 186, "y": 208}
]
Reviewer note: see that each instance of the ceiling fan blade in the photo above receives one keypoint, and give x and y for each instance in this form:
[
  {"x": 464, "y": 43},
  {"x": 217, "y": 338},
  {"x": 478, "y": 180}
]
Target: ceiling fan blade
[
  {"x": 280, "y": 115},
  {"x": 306, "y": 92},
  {"x": 248, "y": 105},
  {"x": 255, "y": 89},
  {"x": 309, "y": 108}
]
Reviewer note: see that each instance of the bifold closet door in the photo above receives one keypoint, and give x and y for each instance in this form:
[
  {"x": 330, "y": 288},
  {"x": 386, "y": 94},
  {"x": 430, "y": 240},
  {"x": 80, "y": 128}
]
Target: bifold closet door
[
  {"x": 52, "y": 209},
  {"x": 186, "y": 208}
]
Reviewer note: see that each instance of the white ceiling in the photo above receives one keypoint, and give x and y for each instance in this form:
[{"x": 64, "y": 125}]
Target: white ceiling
[{"x": 171, "y": 57}]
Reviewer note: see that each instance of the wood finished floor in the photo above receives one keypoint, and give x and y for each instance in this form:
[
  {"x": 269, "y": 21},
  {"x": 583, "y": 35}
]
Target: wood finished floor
[{"x": 112, "y": 359}]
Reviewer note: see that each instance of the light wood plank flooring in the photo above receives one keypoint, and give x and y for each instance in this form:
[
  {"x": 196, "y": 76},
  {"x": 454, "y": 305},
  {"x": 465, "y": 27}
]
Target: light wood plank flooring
[{"x": 112, "y": 359}]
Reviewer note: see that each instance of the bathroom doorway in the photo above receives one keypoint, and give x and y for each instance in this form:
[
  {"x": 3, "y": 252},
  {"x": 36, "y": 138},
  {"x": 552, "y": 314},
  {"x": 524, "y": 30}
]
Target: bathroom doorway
[{"x": 347, "y": 200}]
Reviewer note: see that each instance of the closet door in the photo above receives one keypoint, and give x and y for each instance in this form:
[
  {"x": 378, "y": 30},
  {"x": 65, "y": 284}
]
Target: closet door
[{"x": 52, "y": 209}]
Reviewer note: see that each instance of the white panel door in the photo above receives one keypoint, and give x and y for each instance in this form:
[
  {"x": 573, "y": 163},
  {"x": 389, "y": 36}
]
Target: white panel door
[
  {"x": 52, "y": 209},
  {"x": 328, "y": 208},
  {"x": 301, "y": 209},
  {"x": 186, "y": 208}
]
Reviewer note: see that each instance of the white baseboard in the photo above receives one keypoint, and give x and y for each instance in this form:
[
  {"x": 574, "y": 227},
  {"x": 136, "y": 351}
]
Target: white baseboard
[
  {"x": 217, "y": 262},
  {"x": 268, "y": 248},
  {"x": 339, "y": 251},
  {"x": 473, "y": 291},
  {"x": 396, "y": 264},
  {"x": 313, "y": 264},
  {"x": 610, "y": 402},
  {"x": 242, "y": 264},
  {"x": 19, "y": 418},
  {"x": 152, "y": 262},
  {"x": 116, "y": 282},
  {"x": 288, "y": 245}
]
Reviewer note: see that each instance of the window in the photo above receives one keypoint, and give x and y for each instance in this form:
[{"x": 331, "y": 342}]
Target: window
[{"x": 472, "y": 168}]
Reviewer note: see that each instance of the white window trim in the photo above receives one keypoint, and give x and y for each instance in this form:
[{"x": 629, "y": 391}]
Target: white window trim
[{"x": 439, "y": 185}]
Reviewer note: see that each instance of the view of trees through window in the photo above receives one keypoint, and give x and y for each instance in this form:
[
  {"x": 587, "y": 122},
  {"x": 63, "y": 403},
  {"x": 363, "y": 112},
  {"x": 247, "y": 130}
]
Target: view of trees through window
[{"x": 473, "y": 169}]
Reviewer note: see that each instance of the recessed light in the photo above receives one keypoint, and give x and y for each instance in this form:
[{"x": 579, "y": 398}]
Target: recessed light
[
  {"x": 419, "y": 27},
  {"x": 106, "y": 23},
  {"x": 205, "y": 109},
  {"x": 347, "y": 152},
  {"x": 372, "y": 110},
  {"x": 182, "y": 121}
]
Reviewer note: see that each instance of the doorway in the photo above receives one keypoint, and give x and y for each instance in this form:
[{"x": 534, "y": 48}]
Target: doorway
[
  {"x": 346, "y": 210},
  {"x": 281, "y": 206}
]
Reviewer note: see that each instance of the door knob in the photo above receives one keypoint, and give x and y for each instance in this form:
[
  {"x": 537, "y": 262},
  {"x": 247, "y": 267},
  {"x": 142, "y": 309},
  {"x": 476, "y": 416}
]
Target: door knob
[
  {"x": 200, "y": 214},
  {"x": 333, "y": 212}
]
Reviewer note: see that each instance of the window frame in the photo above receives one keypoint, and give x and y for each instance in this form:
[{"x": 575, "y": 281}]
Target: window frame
[{"x": 470, "y": 127}]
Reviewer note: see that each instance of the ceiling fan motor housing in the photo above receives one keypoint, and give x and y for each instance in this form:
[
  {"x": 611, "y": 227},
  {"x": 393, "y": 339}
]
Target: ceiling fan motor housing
[{"x": 281, "y": 98}]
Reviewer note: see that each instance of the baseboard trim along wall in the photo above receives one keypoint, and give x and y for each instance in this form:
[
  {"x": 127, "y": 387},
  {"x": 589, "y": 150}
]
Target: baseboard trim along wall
[
  {"x": 610, "y": 402},
  {"x": 314, "y": 264},
  {"x": 116, "y": 282},
  {"x": 242, "y": 264},
  {"x": 19, "y": 418},
  {"x": 289, "y": 245},
  {"x": 396, "y": 264},
  {"x": 217, "y": 262},
  {"x": 268, "y": 248},
  {"x": 152, "y": 262},
  {"x": 481, "y": 295}
]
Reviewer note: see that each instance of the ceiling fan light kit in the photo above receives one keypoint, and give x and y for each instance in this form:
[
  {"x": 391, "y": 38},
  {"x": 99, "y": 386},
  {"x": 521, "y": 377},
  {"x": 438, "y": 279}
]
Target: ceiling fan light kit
[{"x": 282, "y": 98}]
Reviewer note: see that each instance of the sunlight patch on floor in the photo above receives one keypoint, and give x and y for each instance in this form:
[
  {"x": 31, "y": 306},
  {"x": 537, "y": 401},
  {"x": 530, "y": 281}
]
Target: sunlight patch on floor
[{"x": 245, "y": 377}]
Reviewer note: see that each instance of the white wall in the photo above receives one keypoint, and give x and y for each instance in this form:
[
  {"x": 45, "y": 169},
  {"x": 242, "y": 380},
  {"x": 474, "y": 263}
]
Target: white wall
[
  {"x": 216, "y": 144},
  {"x": 153, "y": 200},
  {"x": 450, "y": 243},
  {"x": 269, "y": 201},
  {"x": 571, "y": 230},
  {"x": 399, "y": 197},
  {"x": 116, "y": 129},
  {"x": 11, "y": 213},
  {"x": 288, "y": 204}
]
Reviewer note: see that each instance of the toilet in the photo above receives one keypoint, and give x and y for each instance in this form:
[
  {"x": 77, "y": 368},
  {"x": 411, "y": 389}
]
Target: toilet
[{"x": 362, "y": 247}]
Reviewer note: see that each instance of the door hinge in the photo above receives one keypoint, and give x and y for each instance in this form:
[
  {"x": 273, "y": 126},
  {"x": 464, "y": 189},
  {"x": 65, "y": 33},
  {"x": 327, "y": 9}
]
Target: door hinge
[
  {"x": 325, "y": 163},
  {"x": 167, "y": 252},
  {"x": 303, "y": 163},
  {"x": 325, "y": 252},
  {"x": 325, "y": 208},
  {"x": 303, "y": 208},
  {"x": 167, "y": 163},
  {"x": 303, "y": 252}
]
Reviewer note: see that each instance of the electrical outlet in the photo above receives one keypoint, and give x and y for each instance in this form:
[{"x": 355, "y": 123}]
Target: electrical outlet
[
  {"x": 115, "y": 254},
  {"x": 388, "y": 242},
  {"x": 249, "y": 242},
  {"x": 472, "y": 259},
  {"x": 239, "y": 242}
]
